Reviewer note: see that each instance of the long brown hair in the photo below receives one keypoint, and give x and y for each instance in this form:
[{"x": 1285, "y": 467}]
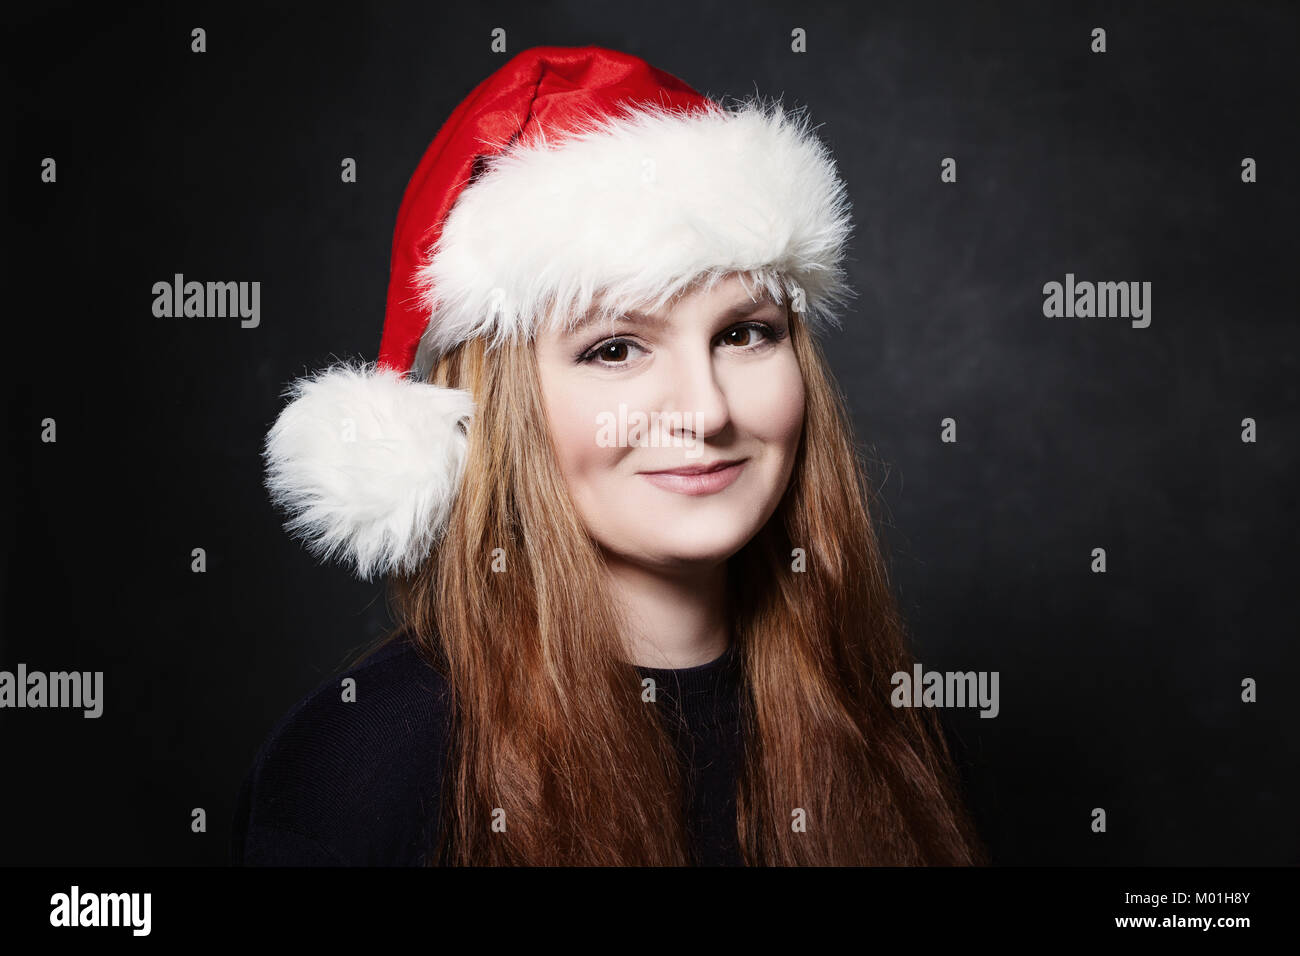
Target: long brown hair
[{"x": 555, "y": 759}]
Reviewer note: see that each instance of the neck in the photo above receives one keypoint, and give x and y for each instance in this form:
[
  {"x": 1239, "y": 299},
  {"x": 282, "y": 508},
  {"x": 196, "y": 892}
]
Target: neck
[{"x": 672, "y": 618}]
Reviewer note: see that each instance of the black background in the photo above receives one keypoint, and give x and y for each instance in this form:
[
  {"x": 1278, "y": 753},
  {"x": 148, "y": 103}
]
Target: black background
[{"x": 1118, "y": 690}]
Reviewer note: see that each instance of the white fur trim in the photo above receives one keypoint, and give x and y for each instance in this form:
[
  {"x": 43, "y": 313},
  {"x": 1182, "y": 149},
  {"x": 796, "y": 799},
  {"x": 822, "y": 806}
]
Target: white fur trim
[
  {"x": 381, "y": 499},
  {"x": 630, "y": 210}
]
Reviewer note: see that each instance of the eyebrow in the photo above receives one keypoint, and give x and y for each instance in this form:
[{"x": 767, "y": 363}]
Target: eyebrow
[{"x": 739, "y": 311}]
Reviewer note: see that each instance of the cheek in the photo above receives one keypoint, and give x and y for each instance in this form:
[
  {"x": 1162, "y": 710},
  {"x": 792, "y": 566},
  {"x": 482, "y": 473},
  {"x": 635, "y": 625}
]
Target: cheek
[
  {"x": 573, "y": 415},
  {"x": 767, "y": 402}
]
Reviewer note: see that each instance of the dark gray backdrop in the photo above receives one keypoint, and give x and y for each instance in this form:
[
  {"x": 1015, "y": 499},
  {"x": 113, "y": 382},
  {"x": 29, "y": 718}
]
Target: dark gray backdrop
[{"x": 1118, "y": 690}]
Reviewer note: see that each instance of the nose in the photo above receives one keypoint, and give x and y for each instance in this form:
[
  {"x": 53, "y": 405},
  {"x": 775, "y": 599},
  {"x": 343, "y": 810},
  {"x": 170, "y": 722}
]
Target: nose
[{"x": 694, "y": 399}]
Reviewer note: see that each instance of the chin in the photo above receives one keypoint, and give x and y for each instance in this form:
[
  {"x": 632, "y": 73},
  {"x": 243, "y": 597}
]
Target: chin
[
  {"x": 696, "y": 544},
  {"x": 675, "y": 558}
]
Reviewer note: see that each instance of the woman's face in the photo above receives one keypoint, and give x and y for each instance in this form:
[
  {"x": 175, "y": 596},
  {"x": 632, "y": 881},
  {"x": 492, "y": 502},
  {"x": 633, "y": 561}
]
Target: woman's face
[{"x": 710, "y": 380}]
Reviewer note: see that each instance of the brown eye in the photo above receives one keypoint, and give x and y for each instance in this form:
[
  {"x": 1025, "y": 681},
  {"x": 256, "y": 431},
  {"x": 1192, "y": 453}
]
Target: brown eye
[
  {"x": 750, "y": 336},
  {"x": 613, "y": 352}
]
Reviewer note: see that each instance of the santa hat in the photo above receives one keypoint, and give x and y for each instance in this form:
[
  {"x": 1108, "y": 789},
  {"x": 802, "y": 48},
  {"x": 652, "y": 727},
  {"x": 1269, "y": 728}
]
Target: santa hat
[{"x": 573, "y": 180}]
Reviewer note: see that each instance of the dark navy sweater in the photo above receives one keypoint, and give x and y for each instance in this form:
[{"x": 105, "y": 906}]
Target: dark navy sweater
[{"x": 358, "y": 783}]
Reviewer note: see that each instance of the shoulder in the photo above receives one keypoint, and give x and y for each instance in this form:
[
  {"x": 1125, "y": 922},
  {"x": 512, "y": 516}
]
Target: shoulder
[{"x": 350, "y": 774}]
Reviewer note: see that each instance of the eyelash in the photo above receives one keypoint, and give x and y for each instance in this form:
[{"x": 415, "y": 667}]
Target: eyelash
[{"x": 588, "y": 356}]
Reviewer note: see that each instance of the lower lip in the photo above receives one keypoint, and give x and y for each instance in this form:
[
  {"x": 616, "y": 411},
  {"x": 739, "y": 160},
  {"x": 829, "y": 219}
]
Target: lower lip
[{"x": 706, "y": 484}]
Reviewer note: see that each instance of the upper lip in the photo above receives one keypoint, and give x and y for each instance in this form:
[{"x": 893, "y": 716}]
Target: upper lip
[{"x": 697, "y": 469}]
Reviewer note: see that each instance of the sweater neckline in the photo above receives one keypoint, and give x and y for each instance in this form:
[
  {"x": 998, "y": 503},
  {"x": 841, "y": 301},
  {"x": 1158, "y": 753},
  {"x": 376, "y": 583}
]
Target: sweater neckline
[{"x": 697, "y": 689}]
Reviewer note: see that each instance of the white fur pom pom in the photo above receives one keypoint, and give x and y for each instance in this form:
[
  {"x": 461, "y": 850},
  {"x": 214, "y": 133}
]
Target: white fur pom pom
[{"x": 368, "y": 463}]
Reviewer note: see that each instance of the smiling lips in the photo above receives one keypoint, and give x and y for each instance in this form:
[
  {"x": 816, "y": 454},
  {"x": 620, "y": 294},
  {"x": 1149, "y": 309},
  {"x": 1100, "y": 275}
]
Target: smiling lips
[{"x": 697, "y": 479}]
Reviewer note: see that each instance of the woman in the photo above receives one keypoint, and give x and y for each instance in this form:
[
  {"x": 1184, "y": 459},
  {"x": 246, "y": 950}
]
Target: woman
[{"x": 603, "y": 281}]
